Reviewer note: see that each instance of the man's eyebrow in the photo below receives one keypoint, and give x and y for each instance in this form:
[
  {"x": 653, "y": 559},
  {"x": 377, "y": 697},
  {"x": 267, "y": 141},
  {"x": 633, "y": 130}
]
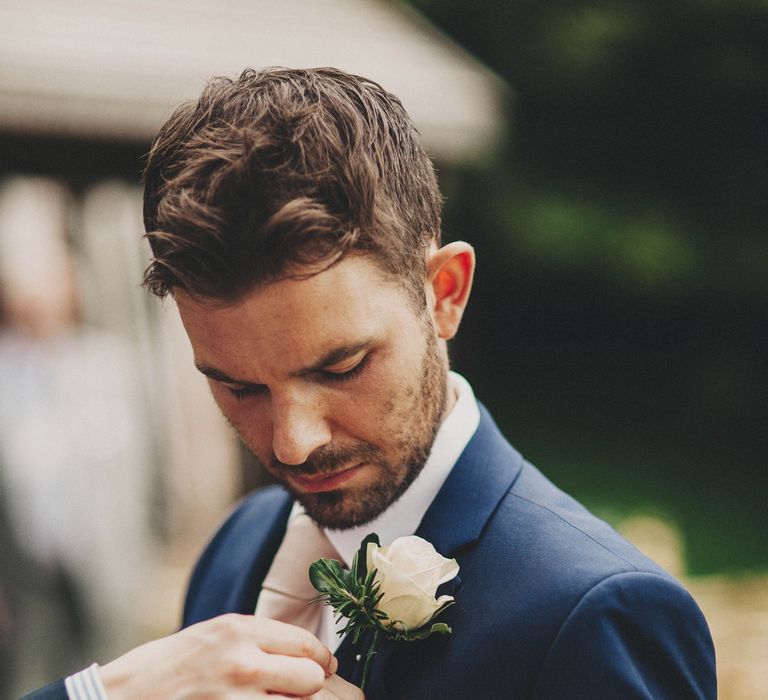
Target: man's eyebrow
[
  {"x": 331, "y": 358},
  {"x": 219, "y": 376}
]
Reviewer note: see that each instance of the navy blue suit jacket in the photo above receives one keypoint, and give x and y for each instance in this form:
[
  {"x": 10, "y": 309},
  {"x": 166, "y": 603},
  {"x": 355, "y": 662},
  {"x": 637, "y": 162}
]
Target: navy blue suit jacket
[{"x": 550, "y": 601}]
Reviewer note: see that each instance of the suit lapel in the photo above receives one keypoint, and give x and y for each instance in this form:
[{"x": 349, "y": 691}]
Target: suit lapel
[
  {"x": 264, "y": 543},
  {"x": 480, "y": 478}
]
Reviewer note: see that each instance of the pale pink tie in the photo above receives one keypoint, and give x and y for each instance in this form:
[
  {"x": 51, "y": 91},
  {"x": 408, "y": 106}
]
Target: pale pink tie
[{"x": 286, "y": 590}]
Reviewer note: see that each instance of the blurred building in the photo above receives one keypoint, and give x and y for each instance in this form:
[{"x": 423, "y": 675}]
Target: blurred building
[
  {"x": 113, "y": 70},
  {"x": 83, "y": 88}
]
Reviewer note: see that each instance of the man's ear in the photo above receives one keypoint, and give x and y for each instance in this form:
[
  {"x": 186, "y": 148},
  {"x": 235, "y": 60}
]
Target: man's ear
[{"x": 449, "y": 280}]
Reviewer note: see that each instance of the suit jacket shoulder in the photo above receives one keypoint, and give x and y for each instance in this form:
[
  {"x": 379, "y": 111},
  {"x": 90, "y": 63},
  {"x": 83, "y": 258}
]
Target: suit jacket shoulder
[{"x": 599, "y": 619}]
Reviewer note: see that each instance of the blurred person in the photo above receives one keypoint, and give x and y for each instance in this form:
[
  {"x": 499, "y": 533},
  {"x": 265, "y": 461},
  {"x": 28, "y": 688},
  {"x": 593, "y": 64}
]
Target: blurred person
[
  {"x": 295, "y": 219},
  {"x": 70, "y": 426}
]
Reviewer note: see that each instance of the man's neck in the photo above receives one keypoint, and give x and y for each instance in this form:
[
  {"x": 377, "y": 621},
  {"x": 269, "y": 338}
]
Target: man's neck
[{"x": 451, "y": 396}]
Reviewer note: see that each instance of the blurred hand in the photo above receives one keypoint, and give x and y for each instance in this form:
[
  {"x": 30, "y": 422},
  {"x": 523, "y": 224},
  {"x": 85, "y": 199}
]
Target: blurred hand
[
  {"x": 336, "y": 688},
  {"x": 231, "y": 656}
]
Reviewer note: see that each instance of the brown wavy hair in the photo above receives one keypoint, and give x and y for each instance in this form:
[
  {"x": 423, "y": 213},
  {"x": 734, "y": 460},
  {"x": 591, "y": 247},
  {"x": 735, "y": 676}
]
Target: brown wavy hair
[{"x": 281, "y": 173}]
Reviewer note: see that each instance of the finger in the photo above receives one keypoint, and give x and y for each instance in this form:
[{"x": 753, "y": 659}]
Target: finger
[
  {"x": 276, "y": 637},
  {"x": 292, "y": 676},
  {"x": 337, "y": 687}
]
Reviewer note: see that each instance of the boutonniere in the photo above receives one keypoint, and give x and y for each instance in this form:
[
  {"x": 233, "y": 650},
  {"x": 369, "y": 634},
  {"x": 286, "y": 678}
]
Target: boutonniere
[{"x": 388, "y": 590}]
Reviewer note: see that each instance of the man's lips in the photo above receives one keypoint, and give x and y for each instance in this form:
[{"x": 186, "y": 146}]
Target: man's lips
[{"x": 317, "y": 483}]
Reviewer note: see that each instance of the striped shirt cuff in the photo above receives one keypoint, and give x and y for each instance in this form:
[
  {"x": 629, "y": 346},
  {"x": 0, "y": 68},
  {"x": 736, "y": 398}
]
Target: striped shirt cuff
[{"x": 86, "y": 685}]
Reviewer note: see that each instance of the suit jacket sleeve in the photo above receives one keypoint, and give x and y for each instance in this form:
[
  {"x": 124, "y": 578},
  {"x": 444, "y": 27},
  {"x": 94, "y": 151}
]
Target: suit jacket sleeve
[
  {"x": 634, "y": 635},
  {"x": 54, "y": 691}
]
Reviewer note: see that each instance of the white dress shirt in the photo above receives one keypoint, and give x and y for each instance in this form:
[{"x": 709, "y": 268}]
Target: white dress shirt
[{"x": 86, "y": 685}]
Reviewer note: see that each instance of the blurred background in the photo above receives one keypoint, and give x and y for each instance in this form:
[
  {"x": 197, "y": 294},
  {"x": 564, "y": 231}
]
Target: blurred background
[{"x": 608, "y": 160}]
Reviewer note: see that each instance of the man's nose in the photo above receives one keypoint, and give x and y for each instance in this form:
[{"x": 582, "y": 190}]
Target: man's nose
[{"x": 298, "y": 429}]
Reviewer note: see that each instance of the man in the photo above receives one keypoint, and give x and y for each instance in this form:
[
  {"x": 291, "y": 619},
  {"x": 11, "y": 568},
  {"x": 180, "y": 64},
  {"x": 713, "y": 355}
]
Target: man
[{"x": 295, "y": 219}]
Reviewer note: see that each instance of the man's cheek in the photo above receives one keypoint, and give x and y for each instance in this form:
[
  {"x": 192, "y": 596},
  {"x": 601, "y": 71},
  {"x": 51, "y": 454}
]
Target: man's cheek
[{"x": 253, "y": 432}]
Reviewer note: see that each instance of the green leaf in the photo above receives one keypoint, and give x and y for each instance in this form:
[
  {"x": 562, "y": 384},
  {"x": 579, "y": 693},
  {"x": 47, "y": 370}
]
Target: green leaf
[
  {"x": 422, "y": 633},
  {"x": 327, "y": 576},
  {"x": 359, "y": 563},
  {"x": 440, "y": 628}
]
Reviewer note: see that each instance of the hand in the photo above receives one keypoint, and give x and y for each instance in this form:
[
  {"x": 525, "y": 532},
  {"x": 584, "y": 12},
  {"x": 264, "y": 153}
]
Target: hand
[
  {"x": 231, "y": 656},
  {"x": 336, "y": 688}
]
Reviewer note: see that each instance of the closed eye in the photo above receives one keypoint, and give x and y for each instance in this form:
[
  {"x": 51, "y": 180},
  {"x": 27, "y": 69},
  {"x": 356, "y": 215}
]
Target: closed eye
[
  {"x": 241, "y": 393},
  {"x": 347, "y": 374}
]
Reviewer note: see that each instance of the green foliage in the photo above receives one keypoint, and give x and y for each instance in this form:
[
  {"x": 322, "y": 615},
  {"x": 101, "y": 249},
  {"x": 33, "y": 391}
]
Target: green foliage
[
  {"x": 649, "y": 111},
  {"x": 352, "y": 593},
  {"x": 622, "y": 243}
]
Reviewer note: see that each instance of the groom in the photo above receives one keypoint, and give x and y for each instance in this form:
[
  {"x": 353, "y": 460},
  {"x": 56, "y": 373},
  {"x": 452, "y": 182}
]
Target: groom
[{"x": 294, "y": 218}]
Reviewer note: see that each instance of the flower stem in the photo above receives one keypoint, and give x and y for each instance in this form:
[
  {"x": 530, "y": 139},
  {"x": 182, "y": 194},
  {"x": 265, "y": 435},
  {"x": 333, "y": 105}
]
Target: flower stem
[{"x": 369, "y": 655}]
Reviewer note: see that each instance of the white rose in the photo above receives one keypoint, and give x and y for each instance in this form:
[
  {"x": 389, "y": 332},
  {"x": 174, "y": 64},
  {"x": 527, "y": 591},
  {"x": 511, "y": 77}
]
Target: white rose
[{"x": 409, "y": 571}]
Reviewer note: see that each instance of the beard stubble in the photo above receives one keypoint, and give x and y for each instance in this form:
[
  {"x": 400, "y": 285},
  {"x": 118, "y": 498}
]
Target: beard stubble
[{"x": 416, "y": 424}]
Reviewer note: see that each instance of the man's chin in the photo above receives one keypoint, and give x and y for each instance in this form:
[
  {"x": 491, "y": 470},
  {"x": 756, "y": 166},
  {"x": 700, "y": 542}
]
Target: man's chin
[{"x": 340, "y": 510}]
